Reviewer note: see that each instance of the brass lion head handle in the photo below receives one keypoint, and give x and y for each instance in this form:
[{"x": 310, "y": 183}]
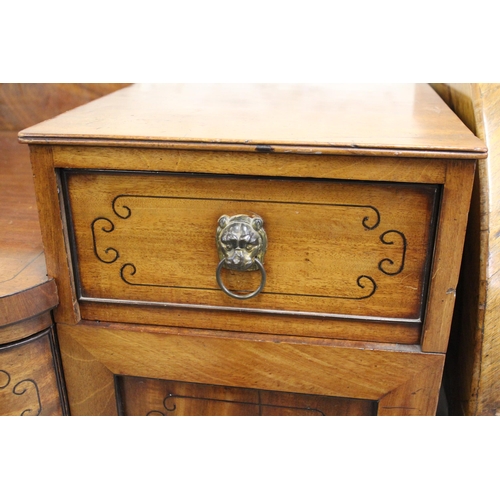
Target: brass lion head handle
[{"x": 241, "y": 243}]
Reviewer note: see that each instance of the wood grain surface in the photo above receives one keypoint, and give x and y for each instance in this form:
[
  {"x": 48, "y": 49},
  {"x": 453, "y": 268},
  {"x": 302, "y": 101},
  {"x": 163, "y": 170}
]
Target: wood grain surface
[
  {"x": 28, "y": 380},
  {"x": 404, "y": 380},
  {"x": 54, "y": 237},
  {"x": 25, "y": 104},
  {"x": 25, "y": 327},
  {"x": 25, "y": 289},
  {"x": 445, "y": 270},
  {"x": 91, "y": 386},
  {"x": 244, "y": 321},
  {"x": 388, "y": 139},
  {"x": 362, "y": 168},
  {"x": 473, "y": 366},
  {"x": 150, "y": 397},
  {"x": 339, "y": 119},
  {"x": 333, "y": 248}
]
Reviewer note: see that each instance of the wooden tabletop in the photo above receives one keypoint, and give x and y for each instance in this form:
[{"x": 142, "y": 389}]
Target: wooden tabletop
[{"x": 369, "y": 119}]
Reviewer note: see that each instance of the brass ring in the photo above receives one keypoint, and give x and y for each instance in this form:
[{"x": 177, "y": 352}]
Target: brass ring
[{"x": 242, "y": 297}]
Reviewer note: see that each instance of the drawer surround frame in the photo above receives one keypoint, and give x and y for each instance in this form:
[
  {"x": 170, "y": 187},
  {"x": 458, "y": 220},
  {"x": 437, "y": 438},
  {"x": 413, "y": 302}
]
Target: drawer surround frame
[{"x": 453, "y": 174}]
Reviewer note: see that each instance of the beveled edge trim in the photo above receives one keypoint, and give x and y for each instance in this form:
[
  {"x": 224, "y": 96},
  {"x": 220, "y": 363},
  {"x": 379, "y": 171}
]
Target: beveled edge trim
[{"x": 256, "y": 148}]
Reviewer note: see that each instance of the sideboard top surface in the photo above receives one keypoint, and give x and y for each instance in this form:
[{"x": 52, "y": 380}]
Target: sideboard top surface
[{"x": 372, "y": 119}]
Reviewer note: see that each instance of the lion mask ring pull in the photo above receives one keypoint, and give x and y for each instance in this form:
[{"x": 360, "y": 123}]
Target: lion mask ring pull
[{"x": 241, "y": 243}]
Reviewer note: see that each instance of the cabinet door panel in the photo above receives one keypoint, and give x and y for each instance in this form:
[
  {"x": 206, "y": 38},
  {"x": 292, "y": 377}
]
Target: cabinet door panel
[{"x": 152, "y": 397}]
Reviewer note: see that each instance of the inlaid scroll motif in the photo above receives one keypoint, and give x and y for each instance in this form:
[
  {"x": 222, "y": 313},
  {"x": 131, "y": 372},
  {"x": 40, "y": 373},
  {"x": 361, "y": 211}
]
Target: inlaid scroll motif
[
  {"x": 367, "y": 284},
  {"x": 26, "y": 386},
  {"x": 388, "y": 266},
  {"x": 4, "y": 379},
  {"x": 371, "y": 219},
  {"x": 108, "y": 255},
  {"x": 169, "y": 406},
  {"x": 123, "y": 211},
  {"x": 364, "y": 286}
]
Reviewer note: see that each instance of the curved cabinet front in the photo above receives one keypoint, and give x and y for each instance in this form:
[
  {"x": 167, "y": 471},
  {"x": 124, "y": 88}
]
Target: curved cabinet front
[{"x": 30, "y": 377}]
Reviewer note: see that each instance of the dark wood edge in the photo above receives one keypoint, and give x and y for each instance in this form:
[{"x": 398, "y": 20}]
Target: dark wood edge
[{"x": 58, "y": 370}]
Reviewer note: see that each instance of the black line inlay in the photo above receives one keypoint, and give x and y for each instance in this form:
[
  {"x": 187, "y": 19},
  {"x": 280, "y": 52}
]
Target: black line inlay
[
  {"x": 170, "y": 406},
  {"x": 384, "y": 263},
  {"x": 21, "y": 388}
]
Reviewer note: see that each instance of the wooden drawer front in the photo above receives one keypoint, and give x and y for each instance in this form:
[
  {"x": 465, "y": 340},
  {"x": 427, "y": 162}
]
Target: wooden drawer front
[
  {"x": 334, "y": 248},
  {"x": 152, "y": 397},
  {"x": 29, "y": 384}
]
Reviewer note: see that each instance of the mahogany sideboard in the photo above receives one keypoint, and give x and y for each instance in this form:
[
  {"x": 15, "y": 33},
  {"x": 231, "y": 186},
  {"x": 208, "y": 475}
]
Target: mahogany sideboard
[{"x": 254, "y": 249}]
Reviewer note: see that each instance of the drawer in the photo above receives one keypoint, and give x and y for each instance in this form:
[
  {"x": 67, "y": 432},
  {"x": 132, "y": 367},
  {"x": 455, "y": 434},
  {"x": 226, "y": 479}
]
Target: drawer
[{"x": 335, "y": 249}]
